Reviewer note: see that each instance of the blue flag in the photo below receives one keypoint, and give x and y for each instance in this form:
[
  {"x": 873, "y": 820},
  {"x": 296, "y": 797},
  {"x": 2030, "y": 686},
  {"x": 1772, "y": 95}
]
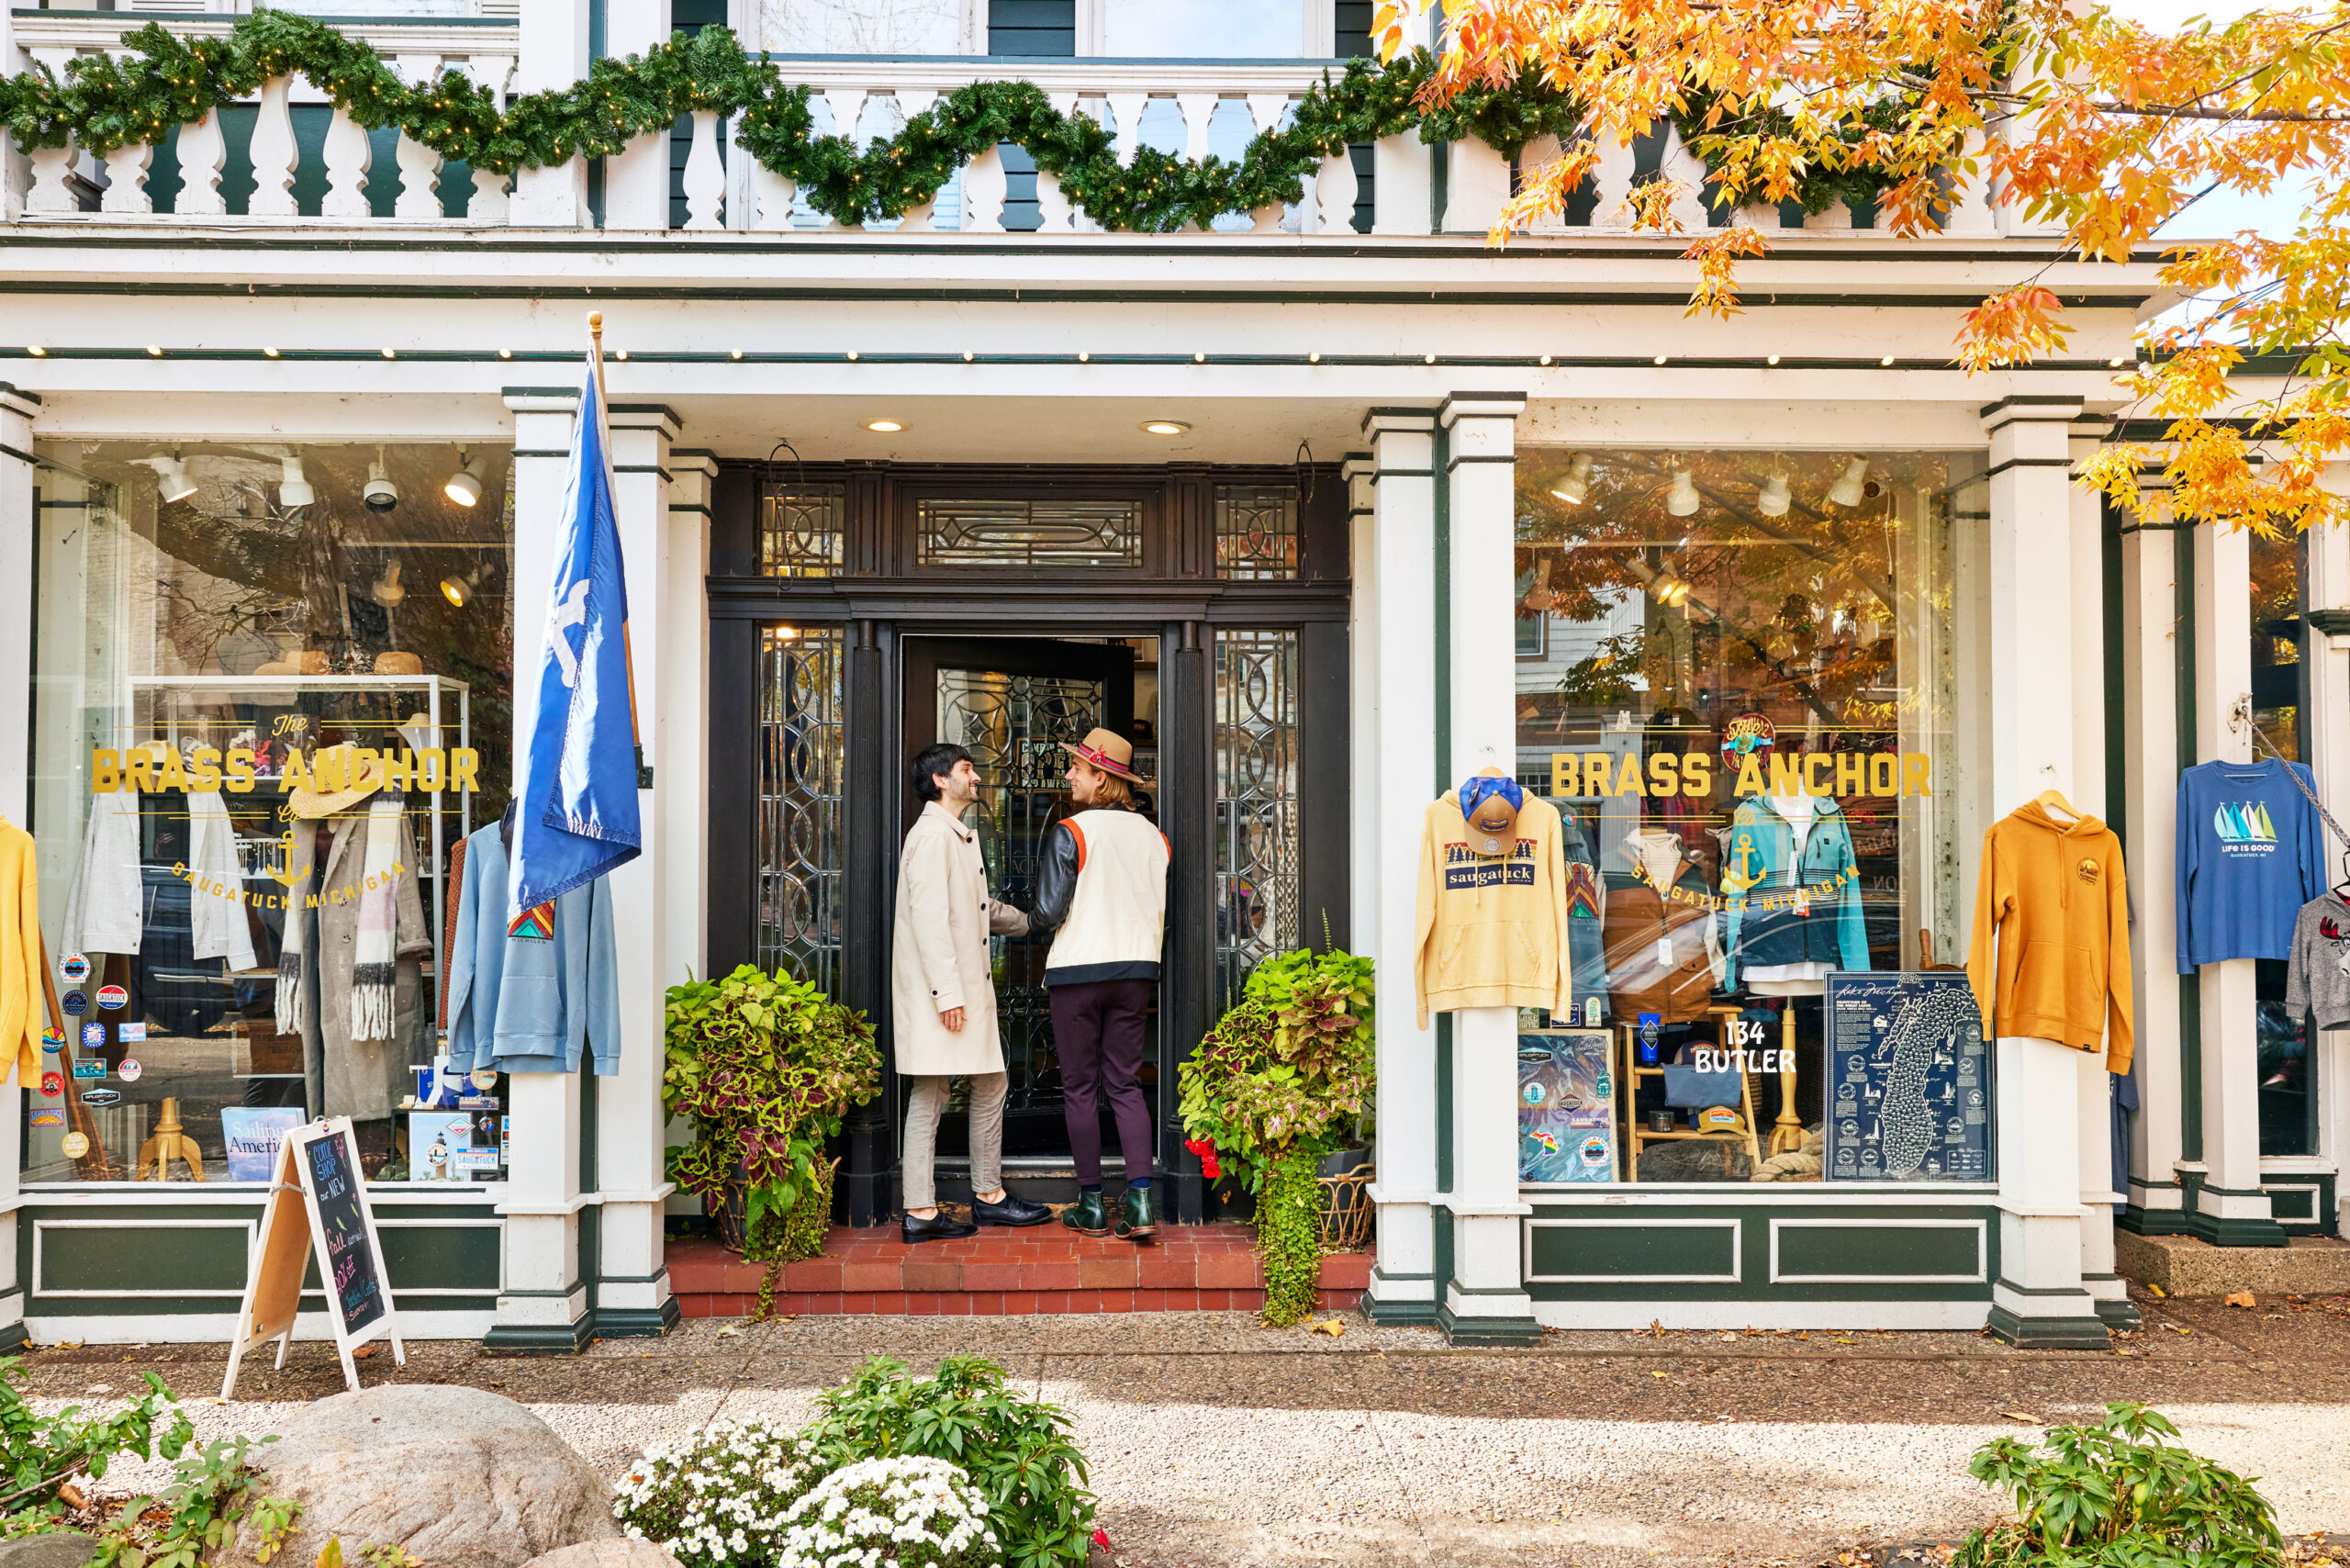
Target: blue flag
[{"x": 577, "y": 814}]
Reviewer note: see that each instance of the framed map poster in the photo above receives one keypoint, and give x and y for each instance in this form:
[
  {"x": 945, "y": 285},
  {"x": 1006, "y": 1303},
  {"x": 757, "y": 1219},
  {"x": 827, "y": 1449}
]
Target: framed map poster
[
  {"x": 1909, "y": 1093},
  {"x": 1566, "y": 1107}
]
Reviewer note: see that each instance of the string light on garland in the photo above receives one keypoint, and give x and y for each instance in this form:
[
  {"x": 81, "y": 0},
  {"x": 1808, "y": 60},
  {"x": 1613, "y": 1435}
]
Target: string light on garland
[
  {"x": 36, "y": 350},
  {"x": 267, "y": 352}
]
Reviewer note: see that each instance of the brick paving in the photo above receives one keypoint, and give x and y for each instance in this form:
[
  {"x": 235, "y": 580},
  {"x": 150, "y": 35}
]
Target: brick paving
[{"x": 1046, "y": 1268}]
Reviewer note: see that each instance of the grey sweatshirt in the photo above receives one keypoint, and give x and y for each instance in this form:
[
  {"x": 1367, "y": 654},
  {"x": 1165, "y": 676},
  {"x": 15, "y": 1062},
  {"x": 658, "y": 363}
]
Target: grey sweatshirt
[{"x": 2317, "y": 979}]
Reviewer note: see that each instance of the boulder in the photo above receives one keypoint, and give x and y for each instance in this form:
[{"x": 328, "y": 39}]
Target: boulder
[
  {"x": 53, "y": 1549},
  {"x": 460, "y": 1477},
  {"x": 625, "y": 1552}
]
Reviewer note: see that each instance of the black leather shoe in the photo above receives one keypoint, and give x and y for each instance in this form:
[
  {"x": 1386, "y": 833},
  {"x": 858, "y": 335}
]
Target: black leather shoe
[
  {"x": 940, "y": 1226},
  {"x": 1014, "y": 1210},
  {"x": 1086, "y": 1216},
  {"x": 1139, "y": 1216}
]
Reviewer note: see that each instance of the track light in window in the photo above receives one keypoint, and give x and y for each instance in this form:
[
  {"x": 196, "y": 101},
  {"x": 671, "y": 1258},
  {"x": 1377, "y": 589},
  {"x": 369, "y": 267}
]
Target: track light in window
[
  {"x": 293, "y": 488},
  {"x": 1165, "y": 427},
  {"x": 1682, "y": 501},
  {"x": 459, "y": 590},
  {"x": 1574, "y": 487},
  {"x": 386, "y": 591},
  {"x": 1849, "y": 490},
  {"x": 170, "y": 477},
  {"x": 1773, "y": 498},
  {"x": 464, "y": 486},
  {"x": 381, "y": 494}
]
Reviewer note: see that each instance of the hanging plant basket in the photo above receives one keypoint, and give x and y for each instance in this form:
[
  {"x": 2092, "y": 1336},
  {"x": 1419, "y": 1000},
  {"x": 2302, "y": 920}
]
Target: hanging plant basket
[{"x": 1344, "y": 1214}]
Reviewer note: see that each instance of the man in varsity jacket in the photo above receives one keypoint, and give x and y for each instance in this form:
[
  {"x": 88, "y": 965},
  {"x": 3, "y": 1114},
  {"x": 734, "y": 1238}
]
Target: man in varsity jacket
[{"x": 1104, "y": 888}]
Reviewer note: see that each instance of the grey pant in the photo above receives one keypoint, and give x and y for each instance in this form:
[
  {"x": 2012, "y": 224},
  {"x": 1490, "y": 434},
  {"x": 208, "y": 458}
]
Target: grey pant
[{"x": 925, "y": 1105}]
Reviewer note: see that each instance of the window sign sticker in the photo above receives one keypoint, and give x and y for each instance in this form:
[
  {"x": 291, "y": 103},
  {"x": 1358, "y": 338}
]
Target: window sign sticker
[
  {"x": 52, "y": 1039},
  {"x": 52, "y": 1084},
  {"x": 75, "y": 1003},
  {"x": 94, "y": 1035},
  {"x": 129, "y": 1029},
  {"x": 75, "y": 969},
  {"x": 49, "y": 1118},
  {"x": 90, "y": 1067},
  {"x": 130, "y": 1069},
  {"x": 101, "y": 1097},
  {"x": 113, "y": 998},
  {"x": 75, "y": 1145}
]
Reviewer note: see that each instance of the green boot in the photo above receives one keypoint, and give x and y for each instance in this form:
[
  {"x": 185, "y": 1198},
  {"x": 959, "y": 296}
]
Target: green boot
[
  {"x": 1086, "y": 1216},
  {"x": 1139, "y": 1222}
]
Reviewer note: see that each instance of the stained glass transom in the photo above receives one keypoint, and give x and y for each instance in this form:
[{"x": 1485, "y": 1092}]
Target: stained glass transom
[
  {"x": 800, "y": 803},
  {"x": 1255, "y": 803},
  {"x": 800, "y": 531},
  {"x": 1031, "y": 533},
  {"x": 1256, "y": 532}
]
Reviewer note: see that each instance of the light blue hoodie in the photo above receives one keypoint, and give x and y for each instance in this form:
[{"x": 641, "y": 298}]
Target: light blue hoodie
[{"x": 528, "y": 1003}]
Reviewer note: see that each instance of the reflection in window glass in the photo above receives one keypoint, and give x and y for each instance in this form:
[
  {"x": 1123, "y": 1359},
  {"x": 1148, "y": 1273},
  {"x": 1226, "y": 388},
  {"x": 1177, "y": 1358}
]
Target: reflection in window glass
[
  {"x": 270, "y": 701},
  {"x": 1201, "y": 29},
  {"x": 1735, "y": 680},
  {"x": 2287, "y": 1067}
]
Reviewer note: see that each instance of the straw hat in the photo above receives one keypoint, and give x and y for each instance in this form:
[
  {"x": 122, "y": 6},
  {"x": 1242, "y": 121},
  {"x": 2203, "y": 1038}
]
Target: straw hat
[
  {"x": 1109, "y": 751},
  {"x": 364, "y": 781}
]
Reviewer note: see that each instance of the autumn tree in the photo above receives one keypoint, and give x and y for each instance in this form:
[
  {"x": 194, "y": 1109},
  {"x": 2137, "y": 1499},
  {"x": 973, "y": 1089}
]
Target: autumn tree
[{"x": 2079, "y": 118}]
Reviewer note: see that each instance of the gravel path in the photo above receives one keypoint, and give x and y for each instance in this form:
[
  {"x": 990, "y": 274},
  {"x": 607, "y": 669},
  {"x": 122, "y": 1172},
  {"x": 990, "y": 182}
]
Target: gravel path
[{"x": 1217, "y": 1445}]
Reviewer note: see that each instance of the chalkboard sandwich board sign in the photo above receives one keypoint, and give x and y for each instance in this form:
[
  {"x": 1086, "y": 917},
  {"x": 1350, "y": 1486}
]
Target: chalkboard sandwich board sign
[{"x": 317, "y": 1206}]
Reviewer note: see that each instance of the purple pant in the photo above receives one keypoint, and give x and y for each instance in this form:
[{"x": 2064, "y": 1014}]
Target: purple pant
[{"x": 1098, "y": 1033}]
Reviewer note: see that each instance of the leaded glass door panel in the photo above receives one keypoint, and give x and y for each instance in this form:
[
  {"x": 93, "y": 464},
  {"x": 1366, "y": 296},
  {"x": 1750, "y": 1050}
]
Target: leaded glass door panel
[{"x": 1011, "y": 701}]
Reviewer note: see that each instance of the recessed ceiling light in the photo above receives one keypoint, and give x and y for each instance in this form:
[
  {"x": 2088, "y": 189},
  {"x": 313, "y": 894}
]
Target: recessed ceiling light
[
  {"x": 887, "y": 427},
  {"x": 1165, "y": 427}
]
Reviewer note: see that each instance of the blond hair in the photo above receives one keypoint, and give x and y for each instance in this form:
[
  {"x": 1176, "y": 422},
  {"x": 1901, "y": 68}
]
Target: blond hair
[{"x": 1112, "y": 792}]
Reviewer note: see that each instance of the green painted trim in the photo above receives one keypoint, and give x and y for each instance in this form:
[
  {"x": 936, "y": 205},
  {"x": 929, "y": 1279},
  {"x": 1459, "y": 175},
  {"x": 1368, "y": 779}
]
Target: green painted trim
[
  {"x": 2324, "y": 1191},
  {"x": 674, "y": 510},
  {"x": 2049, "y": 1333},
  {"x": 1440, "y": 1245},
  {"x": 13, "y": 1338},
  {"x": 532, "y": 452},
  {"x": 2236, "y": 1230},
  {"x": 2149, "y": 1222},
  {"x": 637, "y": 1322},
  {"x": 642, "y": 468},
  {"x": 2190, "y": 990},
  {"x": 508, "y": 1339},
  {"x": 1442, "y": 580},
  {"x": 1495, "y": 1331},
  {"x": 2332, "y": 622},
  {"x": 1443, "y": 1109},
  {"x": 1399, "y": 1314}
]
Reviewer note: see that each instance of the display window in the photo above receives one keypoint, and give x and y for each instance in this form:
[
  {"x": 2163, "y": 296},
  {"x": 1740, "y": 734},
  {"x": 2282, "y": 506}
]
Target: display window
[
  {"x": 269, "y": 704},
  {"x": 1738, "y": 683}
]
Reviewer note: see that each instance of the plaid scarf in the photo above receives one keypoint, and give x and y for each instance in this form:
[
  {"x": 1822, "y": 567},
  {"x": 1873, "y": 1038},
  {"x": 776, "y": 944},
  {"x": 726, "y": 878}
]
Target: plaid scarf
[{"x": 371, "y": 970}]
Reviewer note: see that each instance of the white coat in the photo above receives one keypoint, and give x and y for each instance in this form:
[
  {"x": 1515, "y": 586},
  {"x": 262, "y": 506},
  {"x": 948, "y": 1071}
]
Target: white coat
[{"x": 939, "y": 959}]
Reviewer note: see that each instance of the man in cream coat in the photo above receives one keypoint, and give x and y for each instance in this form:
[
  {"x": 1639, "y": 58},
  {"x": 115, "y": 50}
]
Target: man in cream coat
[{"x": 942, "y": 1000}]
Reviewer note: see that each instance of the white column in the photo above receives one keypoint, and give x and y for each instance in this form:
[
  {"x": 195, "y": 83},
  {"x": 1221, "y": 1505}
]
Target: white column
[
  {"x": 1485, "y": 1299},
  {"x": 1399, "y": 636},
  {"x": 15, "y": 169},
  {"x": 2230, "y": 1209},
  {"x": 553, "y": 55},
  {"x": 636, "y": 182},
  {"x": 2039, "y": 1297},
  {"x": 683, "y": 780},
  {"x": 16, "y": 522},
  {"x": 633, "y": 1292},
  {"x": 2149, "y": 680},
  {"x": 543, "y": 1306},
  {"x": 1360, "y": 471}
]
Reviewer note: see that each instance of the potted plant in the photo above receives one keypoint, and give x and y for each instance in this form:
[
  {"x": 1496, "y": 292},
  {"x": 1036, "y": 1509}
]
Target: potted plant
[
  {"x": 763, "y": 1067},
  {"x": 1284, "y": 1079}
]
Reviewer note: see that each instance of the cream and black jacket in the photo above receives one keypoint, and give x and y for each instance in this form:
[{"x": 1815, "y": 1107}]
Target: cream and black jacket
[{"x": 1103, "y": 887}]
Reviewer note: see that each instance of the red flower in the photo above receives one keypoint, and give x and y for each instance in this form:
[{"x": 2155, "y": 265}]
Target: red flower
[
  {"x": 1101, "y": 1539},
  {"x": 1209, "y": 1166}
]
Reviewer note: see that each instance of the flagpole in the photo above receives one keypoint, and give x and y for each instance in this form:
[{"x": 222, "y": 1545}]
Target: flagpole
[{"x": 604, "y": 425}]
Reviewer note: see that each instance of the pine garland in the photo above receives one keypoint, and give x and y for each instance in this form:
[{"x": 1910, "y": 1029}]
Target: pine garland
[{"x": 108, "y": 102}]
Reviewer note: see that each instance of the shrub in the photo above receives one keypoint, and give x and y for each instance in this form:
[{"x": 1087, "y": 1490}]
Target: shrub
[
  {"x": 765, "y": 1067},
  {"x": 719, "y": 1499},
  {"x": 1016, "y": 1450},
  {"x": 902, "y": 1512},
  {"x": 2114, "y": 1494}
]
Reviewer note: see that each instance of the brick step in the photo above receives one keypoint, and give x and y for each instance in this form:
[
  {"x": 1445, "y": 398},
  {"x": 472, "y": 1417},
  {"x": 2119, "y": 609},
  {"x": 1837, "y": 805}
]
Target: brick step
[{"x": 1043, "y": 1268}]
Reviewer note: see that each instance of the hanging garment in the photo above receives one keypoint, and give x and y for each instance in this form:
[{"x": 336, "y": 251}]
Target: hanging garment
[
  {"x": 22, "y": 1010},
  {"x": 1662, "y": 954},
  {"x": 527, "y": 994},
  {"x": 350, "y": 1073},
  {"x": 2050, "y": 895},
  {"x": 1491, "y": 929},
  {"x": 2317, "y": 976},
  {"x": 2250, "y": 853},
  {"x": 1586, "y": 921},
  {"x": 106, "y": 905},
  {"x": 1788, "y": 902}
]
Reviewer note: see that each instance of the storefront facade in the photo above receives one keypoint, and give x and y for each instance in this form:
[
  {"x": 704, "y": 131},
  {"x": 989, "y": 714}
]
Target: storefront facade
[{"x": 1779, "y": 614}]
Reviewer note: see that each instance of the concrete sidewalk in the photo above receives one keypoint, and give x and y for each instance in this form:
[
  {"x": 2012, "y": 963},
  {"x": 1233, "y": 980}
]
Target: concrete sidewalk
[{"x": 1218, "y": 1444}]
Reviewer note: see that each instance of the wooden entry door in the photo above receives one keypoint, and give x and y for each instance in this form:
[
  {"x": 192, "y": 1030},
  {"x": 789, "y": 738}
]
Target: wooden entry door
[{"x": 1009, "y": 701}]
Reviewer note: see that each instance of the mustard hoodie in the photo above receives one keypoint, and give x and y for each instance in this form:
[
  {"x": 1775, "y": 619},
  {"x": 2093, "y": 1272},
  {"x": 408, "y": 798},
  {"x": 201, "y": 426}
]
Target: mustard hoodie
[
  {"x": 21, "y": 1008},
  {"x": 2053, "y": 893},
  {"x": 1493, "y": 930}
]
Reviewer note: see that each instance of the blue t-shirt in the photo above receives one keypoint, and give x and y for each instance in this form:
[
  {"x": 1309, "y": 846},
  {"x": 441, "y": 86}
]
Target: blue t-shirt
[{"x": 2251, "y": 852}]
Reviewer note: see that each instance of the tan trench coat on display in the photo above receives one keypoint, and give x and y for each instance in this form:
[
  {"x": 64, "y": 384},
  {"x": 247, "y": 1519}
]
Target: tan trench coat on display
[{"x": 939, "y": 960}]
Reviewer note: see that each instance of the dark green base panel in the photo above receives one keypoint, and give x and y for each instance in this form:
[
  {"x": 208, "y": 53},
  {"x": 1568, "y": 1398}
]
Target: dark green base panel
[
  {"x": 2119, "y": 1315},
  {"x": 2151, "y": 1222},
  {"x": 2231, "y": 1232},
  {"x": 1399, "y": 1314},
  {"x": 1505, "y": 1331},
  {"x": 2302, "y": 1204},
  {"x": 638, "y": 1322},
  {"x": 2048, "y": 1333},
  {"x": 540, "y": 1339},
  {"x": 13, "y": 1338}
]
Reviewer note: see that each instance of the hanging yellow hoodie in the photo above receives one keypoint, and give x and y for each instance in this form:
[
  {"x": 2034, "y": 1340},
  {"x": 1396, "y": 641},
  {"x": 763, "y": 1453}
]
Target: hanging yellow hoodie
[
  {"x": 21, "y": 1009},
  {"x": 1492, "y": 929},
  {"x": 2053, "y": 894}
]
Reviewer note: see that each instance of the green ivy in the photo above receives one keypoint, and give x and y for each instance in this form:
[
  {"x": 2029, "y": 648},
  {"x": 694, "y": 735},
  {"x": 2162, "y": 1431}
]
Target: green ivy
[
  {"x": 106, "y": 101},
  {"x": 1289, "y": 1240}
]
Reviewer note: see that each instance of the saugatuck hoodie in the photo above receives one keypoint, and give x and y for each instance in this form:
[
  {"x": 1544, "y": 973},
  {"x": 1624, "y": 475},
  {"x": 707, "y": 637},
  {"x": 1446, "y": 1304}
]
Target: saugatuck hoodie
[
  {"x": 2050, "y": 894},
  {"x": 1492, "y": 928}
]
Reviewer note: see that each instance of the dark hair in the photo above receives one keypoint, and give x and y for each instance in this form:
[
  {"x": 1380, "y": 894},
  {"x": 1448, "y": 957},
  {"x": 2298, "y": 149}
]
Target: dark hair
[{"x": 930, "y": 763}]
